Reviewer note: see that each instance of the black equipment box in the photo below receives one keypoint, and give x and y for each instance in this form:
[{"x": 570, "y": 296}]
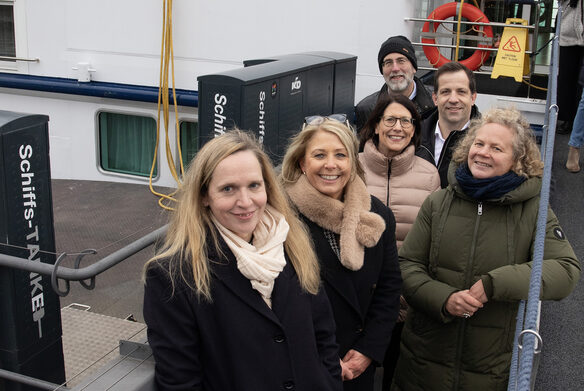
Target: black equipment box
[
  {"x": 30, "y": 325},
  {"x": 272, "y": 96}
]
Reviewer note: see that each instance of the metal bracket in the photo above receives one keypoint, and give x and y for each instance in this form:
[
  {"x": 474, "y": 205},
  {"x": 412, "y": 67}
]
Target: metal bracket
[
  {"x": 83, "y": 253},
  {"x": 539, "y": 344},
  {"x": 54, "y": 278}
]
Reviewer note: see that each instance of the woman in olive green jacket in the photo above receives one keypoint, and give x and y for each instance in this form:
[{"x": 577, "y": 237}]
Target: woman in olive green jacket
[{"x": 466, "y": 262}]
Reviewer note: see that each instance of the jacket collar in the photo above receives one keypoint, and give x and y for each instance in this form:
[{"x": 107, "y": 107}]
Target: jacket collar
[
  {"x": 378, "y": 163},
  {"x": 527, "y": 190},
  {"x": 350, "y": 218}
]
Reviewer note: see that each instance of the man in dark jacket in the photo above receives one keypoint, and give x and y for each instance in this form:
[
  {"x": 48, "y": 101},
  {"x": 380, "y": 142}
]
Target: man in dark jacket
[
  {"x": 454, "y": 94},
  {"x": 398, "y": 65}
]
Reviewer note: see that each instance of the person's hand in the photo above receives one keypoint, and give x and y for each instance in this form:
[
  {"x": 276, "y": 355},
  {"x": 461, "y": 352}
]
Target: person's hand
[
  {"x": 478, "y": 291},
  {"x": 356, "y": 363},
  {"x": 463, "y": 304},
  {"x": 346, "y": 373}
]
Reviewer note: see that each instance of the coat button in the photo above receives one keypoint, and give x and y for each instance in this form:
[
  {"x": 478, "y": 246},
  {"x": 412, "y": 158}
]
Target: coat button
[
  {"x": 279, "y": 338},
  {"x": 373, "y": 287},
  {"x": 289, "y": 385},
  {"x": 358, "y": 329}
]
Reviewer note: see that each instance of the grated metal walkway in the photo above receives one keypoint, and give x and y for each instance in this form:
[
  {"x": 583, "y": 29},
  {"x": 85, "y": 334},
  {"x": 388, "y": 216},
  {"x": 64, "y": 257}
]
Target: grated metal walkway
[
  {"x": 91, "y": 340},
  {"x": 105, "y": 216}
]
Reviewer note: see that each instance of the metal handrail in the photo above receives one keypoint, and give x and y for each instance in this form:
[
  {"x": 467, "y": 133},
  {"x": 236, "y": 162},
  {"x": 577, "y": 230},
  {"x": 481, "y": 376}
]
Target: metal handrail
[
  {"x": 461, "y": 47},
  {"x": 31, "y": 381},
  {"x": 88, "y": 272},
  {"x": 492, "y": 24},
  {"x": 8, "y": 58}
]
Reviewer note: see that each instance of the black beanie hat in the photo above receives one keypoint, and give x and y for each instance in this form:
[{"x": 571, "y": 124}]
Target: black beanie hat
[{"x": 398, "y": 44}]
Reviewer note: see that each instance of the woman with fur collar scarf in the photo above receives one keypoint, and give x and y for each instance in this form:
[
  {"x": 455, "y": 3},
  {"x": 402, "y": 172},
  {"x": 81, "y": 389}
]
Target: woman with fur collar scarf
[{"x": 354, "y": 238}]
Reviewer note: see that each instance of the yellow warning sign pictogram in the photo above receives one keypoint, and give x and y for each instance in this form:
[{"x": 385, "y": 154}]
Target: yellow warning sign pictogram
[
  {"x": 511, "y": 58},
  {"x": 512, "y": 45}
]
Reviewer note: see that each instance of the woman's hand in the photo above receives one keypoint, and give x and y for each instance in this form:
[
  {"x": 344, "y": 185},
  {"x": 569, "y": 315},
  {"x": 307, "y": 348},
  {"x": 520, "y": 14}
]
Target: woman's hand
[
  {"x": 355, "y": 362},
  {"x": 346, "y": 373},
  {"x": 463, "y": 304},
  {"x": 478, "y": 291}
]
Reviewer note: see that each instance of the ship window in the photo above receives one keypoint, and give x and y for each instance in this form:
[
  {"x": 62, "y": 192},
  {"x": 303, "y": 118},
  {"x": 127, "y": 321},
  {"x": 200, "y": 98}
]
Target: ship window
[
  {"x": 127, "y": 143},
  {"x": 189, "y": 141},
  {"x": 7, "y": 37}
]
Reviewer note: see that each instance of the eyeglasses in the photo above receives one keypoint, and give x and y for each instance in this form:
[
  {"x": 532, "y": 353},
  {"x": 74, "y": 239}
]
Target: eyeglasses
[
  {"x": 319, "y": 119},
  {"x": 405, "y": 122},
  {"x": 400, "y": 62}
]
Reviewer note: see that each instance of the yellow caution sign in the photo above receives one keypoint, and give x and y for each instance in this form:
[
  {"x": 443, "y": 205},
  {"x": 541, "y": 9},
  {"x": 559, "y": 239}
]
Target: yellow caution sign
[{"x": 511, "y": 58}]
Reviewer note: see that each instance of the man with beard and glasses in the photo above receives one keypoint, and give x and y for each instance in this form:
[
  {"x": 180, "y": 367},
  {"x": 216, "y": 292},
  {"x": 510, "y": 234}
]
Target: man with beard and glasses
[
  {"x": 398, "y": 65},
  {"x": 454, "y": 94}
]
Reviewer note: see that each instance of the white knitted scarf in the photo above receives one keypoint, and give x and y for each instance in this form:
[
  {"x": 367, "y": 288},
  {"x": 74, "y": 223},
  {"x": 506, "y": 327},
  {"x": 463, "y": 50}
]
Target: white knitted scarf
[{"x": 262, "y": 260}]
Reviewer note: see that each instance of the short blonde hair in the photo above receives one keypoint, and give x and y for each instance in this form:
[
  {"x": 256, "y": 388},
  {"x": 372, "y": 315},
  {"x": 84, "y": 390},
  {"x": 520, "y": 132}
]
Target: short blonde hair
[
  {"x": 526, "y": 155},
  {"x": 185, "y": 245},
  {"x": 291, "y": 170}
]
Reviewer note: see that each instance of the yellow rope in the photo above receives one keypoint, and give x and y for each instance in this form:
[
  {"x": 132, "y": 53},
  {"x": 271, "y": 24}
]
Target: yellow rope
[
  {"x": 166, "y": 56},
  {"x": 534, "y": 86},
  {"x": 458, "y": 30}
]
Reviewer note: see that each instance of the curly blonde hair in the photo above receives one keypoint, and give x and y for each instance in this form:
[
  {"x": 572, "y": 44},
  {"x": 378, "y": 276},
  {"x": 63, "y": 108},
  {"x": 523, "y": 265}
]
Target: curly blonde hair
[
  {"x": 185, "y": 245},
  {"x": 526, "y": 155}
]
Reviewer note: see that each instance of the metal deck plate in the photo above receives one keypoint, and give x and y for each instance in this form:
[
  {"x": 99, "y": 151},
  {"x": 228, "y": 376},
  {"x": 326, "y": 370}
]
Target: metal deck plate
[{"x": 91, "y": 340}]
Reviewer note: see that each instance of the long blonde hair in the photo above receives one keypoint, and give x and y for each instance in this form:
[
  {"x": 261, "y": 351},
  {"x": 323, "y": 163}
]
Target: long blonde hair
[
  {"x": 185, "y": 245},
  {"x": 526, "y": 156}
]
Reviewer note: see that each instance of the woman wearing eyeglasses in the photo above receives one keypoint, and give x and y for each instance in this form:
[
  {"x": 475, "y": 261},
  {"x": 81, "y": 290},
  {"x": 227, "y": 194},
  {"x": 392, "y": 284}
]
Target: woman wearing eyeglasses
[
  {"x": 399, "y": 178},
  {"x": 354, "y": 238}
]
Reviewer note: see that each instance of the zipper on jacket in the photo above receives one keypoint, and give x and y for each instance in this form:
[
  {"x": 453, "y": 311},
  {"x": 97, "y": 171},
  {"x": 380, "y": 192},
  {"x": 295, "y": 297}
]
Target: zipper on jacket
[
  {"x": 467, "y": 281},
  {"x": 388, "y": 176}
]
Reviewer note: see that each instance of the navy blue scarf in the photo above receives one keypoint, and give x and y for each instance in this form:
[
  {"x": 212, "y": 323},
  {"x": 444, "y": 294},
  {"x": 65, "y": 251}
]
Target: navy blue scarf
[{"x": 487, "y": 188}]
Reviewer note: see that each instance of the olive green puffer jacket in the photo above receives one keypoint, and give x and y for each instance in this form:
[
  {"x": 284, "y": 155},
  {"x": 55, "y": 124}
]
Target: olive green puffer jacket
[{"x": 454, "y": 242}]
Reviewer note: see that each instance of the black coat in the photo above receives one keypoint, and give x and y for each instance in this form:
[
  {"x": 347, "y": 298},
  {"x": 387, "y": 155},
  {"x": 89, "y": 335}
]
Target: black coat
[
  {"x": 422, "y": 100},
  {"x": 428, "y": 141},
  {"x": 237, "y": 342},
  {"x": 365, "y": 302}
]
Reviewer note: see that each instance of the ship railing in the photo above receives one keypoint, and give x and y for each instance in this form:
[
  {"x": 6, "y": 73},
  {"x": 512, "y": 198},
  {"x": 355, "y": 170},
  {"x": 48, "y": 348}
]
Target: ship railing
[
  {"x": 531, "y": 28},
  {"x": 81, "y": 274},
  {"x": 135, "y": 358},
  {"x": 528, "y": 342}
]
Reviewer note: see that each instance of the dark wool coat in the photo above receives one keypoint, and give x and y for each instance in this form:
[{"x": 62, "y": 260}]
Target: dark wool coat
[
  {"x": 428, "y": 142},
  {"x": 422, "y": 100},
  {"x": 237, "y": 342},
  {"x": 365, "y": 302},
  {"x": 454, "y": 242}
]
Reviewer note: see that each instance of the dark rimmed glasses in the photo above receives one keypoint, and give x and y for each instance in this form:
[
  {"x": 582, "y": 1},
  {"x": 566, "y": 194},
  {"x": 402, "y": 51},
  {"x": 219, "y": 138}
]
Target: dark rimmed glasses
[
  {"x": 405, "y": 122},
  {"x": 319, "y": 119}
]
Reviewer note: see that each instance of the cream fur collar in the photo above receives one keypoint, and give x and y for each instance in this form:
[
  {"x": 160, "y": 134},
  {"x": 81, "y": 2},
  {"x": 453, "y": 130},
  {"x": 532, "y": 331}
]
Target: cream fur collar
[{"x": 351, "y": 219}]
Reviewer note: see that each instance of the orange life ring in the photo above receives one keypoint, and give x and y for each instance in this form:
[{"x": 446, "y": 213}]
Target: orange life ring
[{"x": 449, "y": 10}]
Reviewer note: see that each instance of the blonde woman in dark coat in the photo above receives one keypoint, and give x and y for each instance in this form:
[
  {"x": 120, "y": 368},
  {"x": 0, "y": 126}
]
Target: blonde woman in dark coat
[
  {"x": 233, "y": 299},
  {"x": 354, "y": 238}
]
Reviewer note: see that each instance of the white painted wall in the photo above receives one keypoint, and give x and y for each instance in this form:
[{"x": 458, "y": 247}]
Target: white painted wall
[{"x": 122, "y": 39}]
